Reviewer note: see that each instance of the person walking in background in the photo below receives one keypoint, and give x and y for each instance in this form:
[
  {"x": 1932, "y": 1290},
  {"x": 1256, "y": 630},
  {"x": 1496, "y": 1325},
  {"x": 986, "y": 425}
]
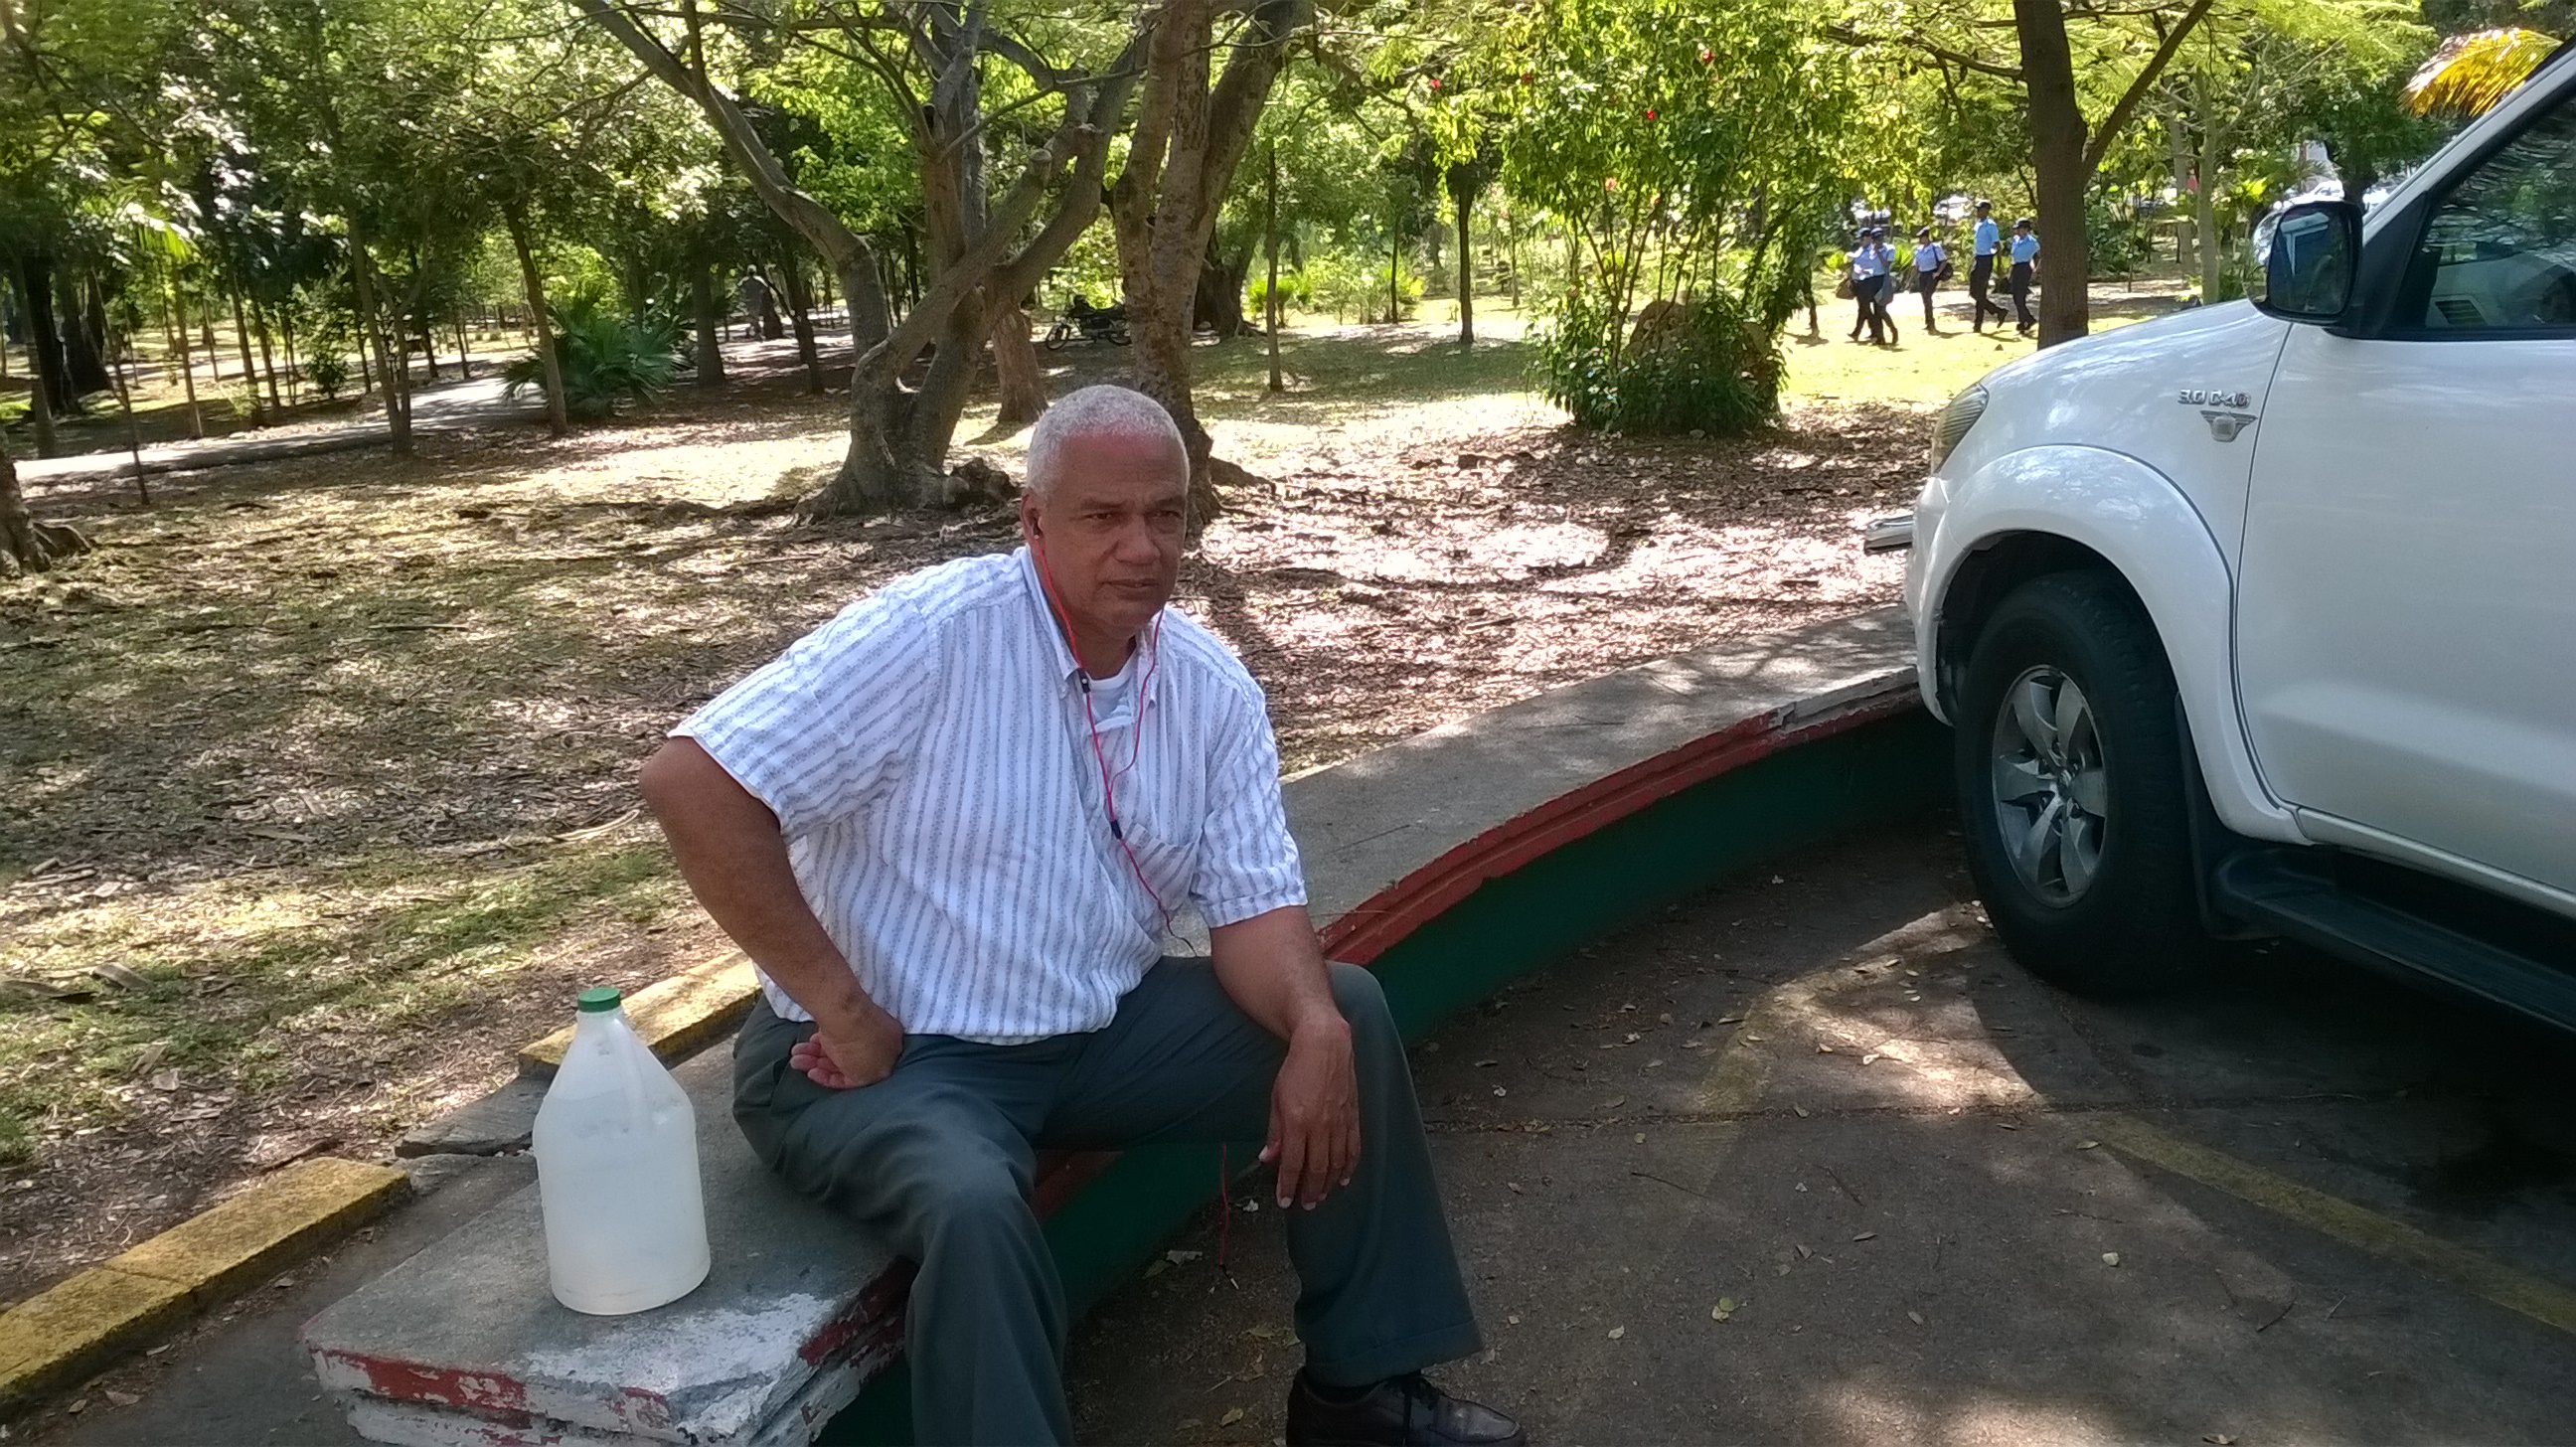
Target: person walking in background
[
  {"x": 2025, "y": 258},
  {"x": 1872, "y": 265},
  {"x": 1984, "y": 241},
  {"x": 1931, "y": 263}
]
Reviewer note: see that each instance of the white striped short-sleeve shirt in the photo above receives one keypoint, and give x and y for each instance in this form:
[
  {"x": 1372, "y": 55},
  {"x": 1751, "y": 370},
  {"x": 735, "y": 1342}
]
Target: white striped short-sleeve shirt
[{"x": 928, "y": 758}]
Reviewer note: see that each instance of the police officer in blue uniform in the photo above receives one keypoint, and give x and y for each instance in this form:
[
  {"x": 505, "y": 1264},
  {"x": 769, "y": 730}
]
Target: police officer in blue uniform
[
  {"x": 1981, "y": 267},
  {"x": 2025, "y": 257}
]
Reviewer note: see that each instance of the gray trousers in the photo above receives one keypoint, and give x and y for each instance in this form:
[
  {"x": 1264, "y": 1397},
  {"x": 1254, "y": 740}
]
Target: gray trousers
[{"x": 940, "y": 1157}]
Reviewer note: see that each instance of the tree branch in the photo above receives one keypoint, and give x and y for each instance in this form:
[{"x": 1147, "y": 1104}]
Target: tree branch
[
  {"x": 1917, "y": 40},
  {"x": 2109, "y": 130},
  {"x": 828, "y": 234}
]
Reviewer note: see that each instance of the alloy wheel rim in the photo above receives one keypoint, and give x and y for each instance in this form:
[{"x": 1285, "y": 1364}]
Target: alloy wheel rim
[{"x": 2049, "y": 787}]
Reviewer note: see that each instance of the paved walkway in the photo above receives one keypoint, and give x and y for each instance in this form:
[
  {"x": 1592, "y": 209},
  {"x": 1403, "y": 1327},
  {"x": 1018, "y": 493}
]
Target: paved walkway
[
  {"x": 1911, "y": 1237},
  {"x": 444, "y": 407}
]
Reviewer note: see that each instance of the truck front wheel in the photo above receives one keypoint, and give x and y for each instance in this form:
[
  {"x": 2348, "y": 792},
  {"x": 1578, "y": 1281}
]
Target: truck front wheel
[{"x": 2069, "y": 761}]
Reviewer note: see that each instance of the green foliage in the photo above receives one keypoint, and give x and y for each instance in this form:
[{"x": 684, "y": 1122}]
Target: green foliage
[
  {"x": 1353, "y": 286},
  {"x": 1295, "y": 290},
  {"x": 1659, "y": 134},
  {"x": 605, "y": 358},
  {"x": 1715, "y": 368},
  {"x": 330, "y": 337},
  {"x": 2121, "y": 238}
]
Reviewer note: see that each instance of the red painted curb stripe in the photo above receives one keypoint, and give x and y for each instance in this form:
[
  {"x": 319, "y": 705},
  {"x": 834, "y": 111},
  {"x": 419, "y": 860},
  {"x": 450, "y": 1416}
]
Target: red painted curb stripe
[{"x": 1384, "y": 919}]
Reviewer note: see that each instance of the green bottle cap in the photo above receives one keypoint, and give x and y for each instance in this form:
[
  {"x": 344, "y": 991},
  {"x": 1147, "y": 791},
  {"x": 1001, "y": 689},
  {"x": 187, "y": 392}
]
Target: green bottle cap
[{"x": 599, "y": 999}]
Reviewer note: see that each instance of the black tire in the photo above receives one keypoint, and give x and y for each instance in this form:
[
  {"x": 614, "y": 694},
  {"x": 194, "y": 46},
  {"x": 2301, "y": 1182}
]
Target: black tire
[
  {"x": 2133, "y": 925},
  {"x": 1118, "y": 335},
  {"x": 1056, "y": 337}
]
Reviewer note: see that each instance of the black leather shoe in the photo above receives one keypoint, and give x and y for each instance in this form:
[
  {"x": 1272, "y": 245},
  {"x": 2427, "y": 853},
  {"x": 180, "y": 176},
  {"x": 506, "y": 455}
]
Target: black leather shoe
[{"x": 1403, "y": 1411}]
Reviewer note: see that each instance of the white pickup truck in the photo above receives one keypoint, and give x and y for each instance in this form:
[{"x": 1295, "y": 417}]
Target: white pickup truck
[{"x": 2260, "y": 619}]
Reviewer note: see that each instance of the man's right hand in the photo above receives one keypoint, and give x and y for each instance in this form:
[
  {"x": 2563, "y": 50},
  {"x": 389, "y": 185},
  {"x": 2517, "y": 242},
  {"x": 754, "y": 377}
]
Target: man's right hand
[{"x": 846, "y": 1054}]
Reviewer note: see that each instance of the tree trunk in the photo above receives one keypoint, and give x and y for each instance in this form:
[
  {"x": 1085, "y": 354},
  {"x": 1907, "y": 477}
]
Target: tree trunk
[
  {"x": 549, "y": 361},
  {"x": 800, "y": 316},
  {"x": 1015, "y": 364},
  {"x": 2057, "y": 140},
  {"x": 1466, "y": 270},
  {"x": 177, "y": 303},
  {"x": 26, "y": 545},
  {"x": 1394, "y": 256},
  {"x": 1270, "y": 243},
  {"x": 708, "y": 311},
  {"x": 2204, "y": 200},
  {"x": 391, "y": 367},
  {"x": 51, "y": 361},
  {"x": 83, "y": 340},
  {"x": 1180, "y": 159},
  {"x": 2179, "y": 144},
  {"x": 267, "y": 356},
  {"x": 294, "y": 368},
  {"x": 40, "y": 396},
  {"x": 250, "y": 368},
  {"x": 125, "y": 411}
]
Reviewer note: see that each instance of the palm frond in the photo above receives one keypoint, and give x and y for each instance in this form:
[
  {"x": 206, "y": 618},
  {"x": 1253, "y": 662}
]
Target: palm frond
[{"x": 2470, "y": 73}]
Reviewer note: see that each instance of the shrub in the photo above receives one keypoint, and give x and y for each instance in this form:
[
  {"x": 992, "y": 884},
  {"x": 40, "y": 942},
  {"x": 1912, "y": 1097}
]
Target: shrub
[
  {"x": 2120, "y": 237},
  {"x": 328, "y": 372},
  {"x": 606, "y": 357},
  {"x": 1710, "y": 366},
  {"x": 1295, "y": 290}
]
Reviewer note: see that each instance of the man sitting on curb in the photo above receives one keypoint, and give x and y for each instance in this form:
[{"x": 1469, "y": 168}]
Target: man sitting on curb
[{"x": 952, "y": 828}]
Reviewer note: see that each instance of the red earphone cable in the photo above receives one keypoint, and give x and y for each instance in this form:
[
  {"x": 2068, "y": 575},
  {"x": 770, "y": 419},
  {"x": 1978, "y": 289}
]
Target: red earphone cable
[{"x": 1108, "y": 782}]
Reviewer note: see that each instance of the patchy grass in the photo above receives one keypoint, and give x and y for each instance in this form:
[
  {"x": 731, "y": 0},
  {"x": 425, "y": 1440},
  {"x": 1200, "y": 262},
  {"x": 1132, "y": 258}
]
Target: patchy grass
[{"x": 336, "y": 754}]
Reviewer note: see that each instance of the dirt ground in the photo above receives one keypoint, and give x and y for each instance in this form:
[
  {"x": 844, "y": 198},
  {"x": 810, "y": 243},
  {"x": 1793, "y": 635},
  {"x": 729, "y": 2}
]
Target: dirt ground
[{"x": 320, "y": 792}]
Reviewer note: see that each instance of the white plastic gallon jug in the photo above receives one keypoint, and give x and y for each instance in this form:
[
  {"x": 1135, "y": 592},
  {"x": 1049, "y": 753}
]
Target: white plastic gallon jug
[{"x": 617, "y": 1171}]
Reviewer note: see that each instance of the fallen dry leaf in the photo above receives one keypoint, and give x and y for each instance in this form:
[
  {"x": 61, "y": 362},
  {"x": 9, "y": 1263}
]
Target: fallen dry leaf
[
  {"x": 1232, "y": 1416},
  {"x": 120, "y": 1399},
  {"x": 1866, "y": 1236},
  {"x": 2110, "y": 1258},
  {"x": 1915, "y": 1317},
  {"x": 1617, "y": 1332},
  {"x": 1801, "y": 1110}
]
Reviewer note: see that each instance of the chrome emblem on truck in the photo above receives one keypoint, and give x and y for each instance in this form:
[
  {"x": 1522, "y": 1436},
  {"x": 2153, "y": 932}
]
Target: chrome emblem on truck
[
  {"x": 2225, "y": 425},
  {"x": 2199, "y": 397}
]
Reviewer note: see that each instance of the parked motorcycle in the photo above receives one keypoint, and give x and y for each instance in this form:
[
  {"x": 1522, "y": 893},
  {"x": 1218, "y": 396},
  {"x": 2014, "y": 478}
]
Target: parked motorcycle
[{"x": 1090, "y": 323}]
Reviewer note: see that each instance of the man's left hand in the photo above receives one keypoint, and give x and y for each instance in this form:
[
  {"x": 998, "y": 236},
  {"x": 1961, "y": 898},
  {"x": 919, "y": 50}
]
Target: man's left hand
[{"x": 1315, "y": 1112}]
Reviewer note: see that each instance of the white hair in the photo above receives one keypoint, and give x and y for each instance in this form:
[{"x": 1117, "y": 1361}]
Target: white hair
[{"x": 1099, "y": 411}]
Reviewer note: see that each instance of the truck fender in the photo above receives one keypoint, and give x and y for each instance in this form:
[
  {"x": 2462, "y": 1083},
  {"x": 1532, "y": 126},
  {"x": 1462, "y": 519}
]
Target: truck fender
[{"x": 2135, "y": 519}]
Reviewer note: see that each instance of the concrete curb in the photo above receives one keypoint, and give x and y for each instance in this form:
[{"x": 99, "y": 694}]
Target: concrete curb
[
  {"x": 63, "y": 1334},
  {"x": 678, "y": 1017},
  {"x": 1447, "y": 863}
]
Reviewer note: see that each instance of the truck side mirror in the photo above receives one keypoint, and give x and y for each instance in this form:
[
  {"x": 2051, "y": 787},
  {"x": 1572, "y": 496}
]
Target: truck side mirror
[{"x": 2307, "y": 274}]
